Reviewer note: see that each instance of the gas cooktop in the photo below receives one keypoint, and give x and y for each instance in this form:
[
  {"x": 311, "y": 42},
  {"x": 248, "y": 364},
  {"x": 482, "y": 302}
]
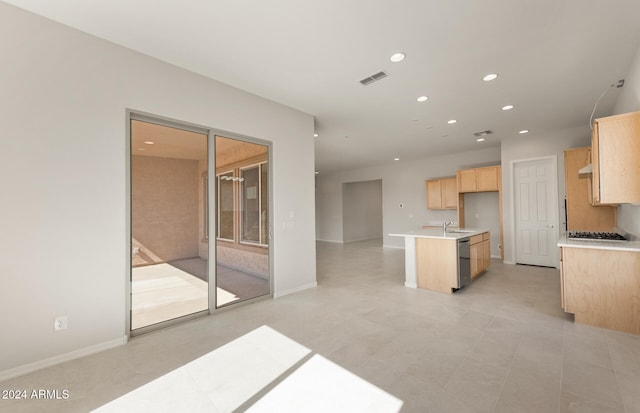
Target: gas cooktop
[{"x": 600, "y": 236}]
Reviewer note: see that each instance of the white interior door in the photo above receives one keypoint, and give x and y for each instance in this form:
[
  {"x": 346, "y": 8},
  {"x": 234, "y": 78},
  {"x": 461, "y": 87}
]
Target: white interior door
[{"x": 536, "y": 212}]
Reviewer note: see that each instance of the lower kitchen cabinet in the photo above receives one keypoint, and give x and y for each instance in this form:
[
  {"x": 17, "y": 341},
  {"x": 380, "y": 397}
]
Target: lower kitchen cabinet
[
  {"x": 601, "y": 287},
  {"x": 480, "y": 253}
]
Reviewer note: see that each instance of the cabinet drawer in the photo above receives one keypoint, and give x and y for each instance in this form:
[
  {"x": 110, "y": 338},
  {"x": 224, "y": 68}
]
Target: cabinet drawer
[
  {"x": 475, "y": 239},
  {"x": 486, "y": 236}
]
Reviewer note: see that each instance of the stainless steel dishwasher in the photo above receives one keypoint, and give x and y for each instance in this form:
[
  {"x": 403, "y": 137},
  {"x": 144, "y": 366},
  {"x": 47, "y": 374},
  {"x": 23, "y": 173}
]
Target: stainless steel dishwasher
[{"x": 464, "y": 262}]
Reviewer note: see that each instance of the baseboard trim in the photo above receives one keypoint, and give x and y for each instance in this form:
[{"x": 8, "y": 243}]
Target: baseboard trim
[
  {"x": 393, "y": 246},
  {"x": 508, "y": 262},
  {"x": 61, "y": 358},
  {"x": 295, "y": 290}
]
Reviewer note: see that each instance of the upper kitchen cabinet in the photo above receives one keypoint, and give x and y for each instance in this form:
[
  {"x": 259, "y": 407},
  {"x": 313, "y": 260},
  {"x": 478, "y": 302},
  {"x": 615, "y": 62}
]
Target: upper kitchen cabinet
[
  {"x": 485, "y": 179},
  {"x": 615, "y": 146},
  {"x": 442, "y": 193},
  {"x": 581, "y": 215}
]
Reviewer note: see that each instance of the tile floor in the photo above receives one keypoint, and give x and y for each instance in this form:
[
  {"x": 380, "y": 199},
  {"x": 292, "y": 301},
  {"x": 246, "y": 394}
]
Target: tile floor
[
  {"x": 501, "y": 344},
  {"x": 162, "y": 292}
]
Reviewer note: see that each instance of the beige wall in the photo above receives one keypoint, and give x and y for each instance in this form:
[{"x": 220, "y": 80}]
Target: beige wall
[
  {"x": 164, "y": 208},
  {"x": 252, "y": 262}
]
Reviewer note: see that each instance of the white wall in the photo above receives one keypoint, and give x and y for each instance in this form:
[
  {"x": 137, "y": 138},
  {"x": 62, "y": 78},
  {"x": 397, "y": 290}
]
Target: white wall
[
  {"x": 530, "y": 146},
  {"x": 362, "y": 207},
  {"x": 482, "y": 210},
  {"x": 629, "y": 101},
  {"x": 402, "y": 183},
  {"x": 62, "y": 172}
]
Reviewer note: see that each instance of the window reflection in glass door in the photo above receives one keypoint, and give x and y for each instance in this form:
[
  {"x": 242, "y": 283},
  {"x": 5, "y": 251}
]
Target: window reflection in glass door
[{"x": 242, "y": 245}]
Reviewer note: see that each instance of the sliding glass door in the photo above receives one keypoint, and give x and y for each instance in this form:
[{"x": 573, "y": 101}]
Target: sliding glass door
[
  {"x": 169, "y": 223},
  {"x": 195, "y": 196},
  {"x": 242, "y": 244}
]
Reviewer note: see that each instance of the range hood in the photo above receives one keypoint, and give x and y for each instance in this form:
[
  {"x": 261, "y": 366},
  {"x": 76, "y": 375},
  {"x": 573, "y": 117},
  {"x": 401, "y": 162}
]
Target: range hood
[{"x": 586, "y": 170}]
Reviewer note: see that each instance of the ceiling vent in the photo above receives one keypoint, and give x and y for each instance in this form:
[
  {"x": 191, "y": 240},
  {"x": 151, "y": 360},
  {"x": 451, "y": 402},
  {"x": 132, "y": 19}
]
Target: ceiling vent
[
  {"x": 483, "y": 133},
  {"x": 374, "y": 78}
]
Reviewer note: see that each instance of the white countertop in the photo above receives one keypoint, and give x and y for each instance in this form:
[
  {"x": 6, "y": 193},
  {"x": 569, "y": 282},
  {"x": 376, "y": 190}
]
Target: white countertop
[
  {"x": 437, "y": 233},
  {"x": 600, "y": 245}
]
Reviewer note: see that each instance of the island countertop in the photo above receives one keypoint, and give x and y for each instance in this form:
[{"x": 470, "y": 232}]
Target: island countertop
[{"x": 438, "y": 233}]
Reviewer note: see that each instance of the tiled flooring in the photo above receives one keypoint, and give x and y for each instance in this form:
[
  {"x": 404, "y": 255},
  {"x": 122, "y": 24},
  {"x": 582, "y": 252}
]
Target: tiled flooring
[
  {"x": 501, "y": 344},
  {"x": 162, "y": 292}
]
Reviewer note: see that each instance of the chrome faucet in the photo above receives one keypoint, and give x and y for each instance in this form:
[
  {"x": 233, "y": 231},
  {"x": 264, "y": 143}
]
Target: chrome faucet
[{"x": 446, "y": 224}]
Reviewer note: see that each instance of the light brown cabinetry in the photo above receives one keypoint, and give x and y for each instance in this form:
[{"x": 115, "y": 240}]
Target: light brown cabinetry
[
  {"x": 602, "y": 287},
  {"x": 581, "y": 215},
  {"x": 437, "y": 264},
  {"x": 479, "y": 179},
  {"x": 480, "y": 248},
  {"x": 615, "y": 145},
  {"x": 442, "y": 193}
]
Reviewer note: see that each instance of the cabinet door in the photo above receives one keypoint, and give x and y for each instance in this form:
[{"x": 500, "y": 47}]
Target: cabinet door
[
  {"x": 595, "y": 176},
  {"x": 486, "y": 254},
  {"x": 581, "y": 215},
  {"x": 467, "y": 180},
  {"x": 487, "y": 178},
  {"x": 476, "y": 259},
  {"x": 616, "y": 159},
  {"x": 434, "y": 194},
  {"x": 449, "y": 193}
]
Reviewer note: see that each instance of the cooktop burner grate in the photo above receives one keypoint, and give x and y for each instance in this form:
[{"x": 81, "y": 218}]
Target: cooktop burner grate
[{"x": 600, "y": 236}]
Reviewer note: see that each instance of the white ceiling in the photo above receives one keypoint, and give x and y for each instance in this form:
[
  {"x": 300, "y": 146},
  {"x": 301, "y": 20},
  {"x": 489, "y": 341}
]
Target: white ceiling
[{"x": 554, "y": 57}]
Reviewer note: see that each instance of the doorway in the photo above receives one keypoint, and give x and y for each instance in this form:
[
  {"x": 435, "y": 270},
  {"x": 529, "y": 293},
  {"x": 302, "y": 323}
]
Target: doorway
[
  {"x": 362, "y": 210},
  {"x": 536, "y": 211},
  {"x": 169, "y": 252}
]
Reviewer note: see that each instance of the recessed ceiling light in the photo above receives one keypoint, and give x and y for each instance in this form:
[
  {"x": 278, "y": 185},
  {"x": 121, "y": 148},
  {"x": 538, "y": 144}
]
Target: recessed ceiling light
[
  {"x": 523, "y": 131},
  {"x": 141, "y": 149},
  {"x": 480, "y": 140},
  {"x": 422, "y": 99},
  {"x": 397, "y": 57},
  {"x": 490, "y": 77},
  {"x": 149, "y": 143},
  {"x": 396, "y": 159},
  {"x": 315, "y": 135},
  {"x": 508, "y": 107},
  {"x": 452, "y": 121}
]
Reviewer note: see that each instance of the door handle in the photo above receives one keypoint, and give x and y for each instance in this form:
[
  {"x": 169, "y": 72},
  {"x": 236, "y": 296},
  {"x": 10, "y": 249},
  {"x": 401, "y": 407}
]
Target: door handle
[{"x": 549, "y": 226}]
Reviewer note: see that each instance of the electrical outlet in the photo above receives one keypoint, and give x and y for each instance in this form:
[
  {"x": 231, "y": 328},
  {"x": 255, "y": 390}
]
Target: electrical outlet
[{"x": 60, "y": 323}]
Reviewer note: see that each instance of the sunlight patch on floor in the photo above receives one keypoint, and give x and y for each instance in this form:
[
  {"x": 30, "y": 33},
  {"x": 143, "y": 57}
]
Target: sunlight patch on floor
[
  {"x": 219, "y": 381},
  {"x": 230, "y": 376},
  {"x": 320, "y": 386}
]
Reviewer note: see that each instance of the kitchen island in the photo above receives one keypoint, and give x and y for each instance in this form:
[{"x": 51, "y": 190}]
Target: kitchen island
[
  {"x": 600, "y": 283},
  {"x": 433, "y": 257}
]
